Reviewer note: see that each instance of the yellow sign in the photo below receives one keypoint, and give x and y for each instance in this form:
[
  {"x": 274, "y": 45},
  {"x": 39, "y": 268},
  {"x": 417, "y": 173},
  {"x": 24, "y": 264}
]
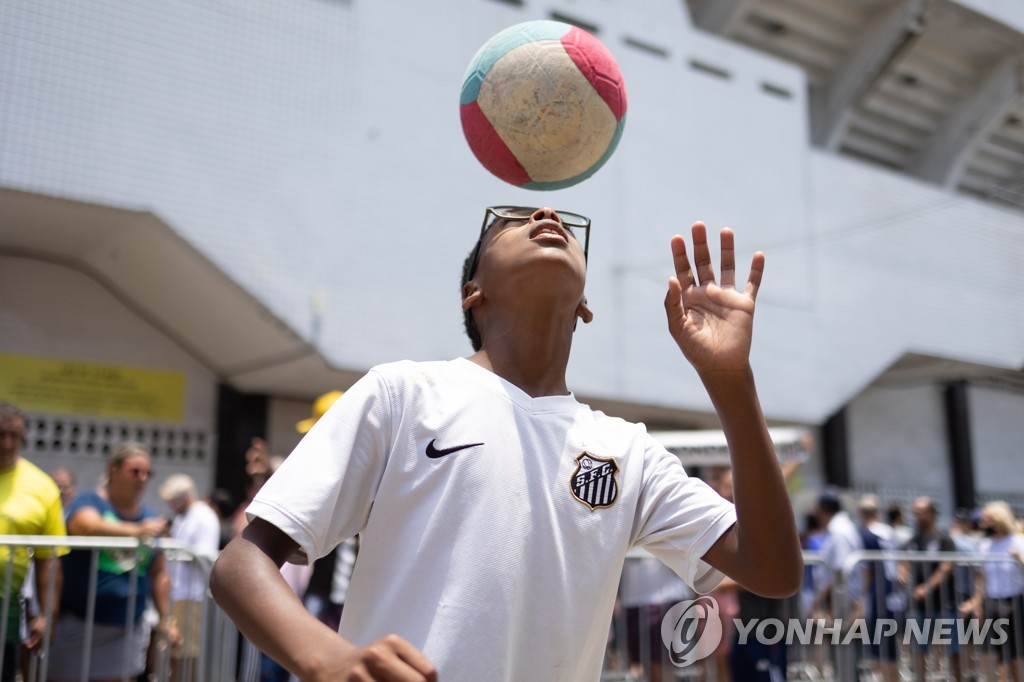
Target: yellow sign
[{"x": 69, "y": 387}]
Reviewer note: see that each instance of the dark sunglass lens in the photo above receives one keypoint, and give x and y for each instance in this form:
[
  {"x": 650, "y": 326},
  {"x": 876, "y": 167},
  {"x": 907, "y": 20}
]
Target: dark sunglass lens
[{"x": 573, "y": 219}]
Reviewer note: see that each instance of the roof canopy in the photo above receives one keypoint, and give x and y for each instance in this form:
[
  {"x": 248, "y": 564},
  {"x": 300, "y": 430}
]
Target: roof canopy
[{"x": 145, "y": 264}]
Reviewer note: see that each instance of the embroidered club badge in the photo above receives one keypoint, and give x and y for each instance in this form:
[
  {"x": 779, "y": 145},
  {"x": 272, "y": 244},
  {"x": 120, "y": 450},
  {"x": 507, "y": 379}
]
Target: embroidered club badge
[{"x": 594, "y": 481}]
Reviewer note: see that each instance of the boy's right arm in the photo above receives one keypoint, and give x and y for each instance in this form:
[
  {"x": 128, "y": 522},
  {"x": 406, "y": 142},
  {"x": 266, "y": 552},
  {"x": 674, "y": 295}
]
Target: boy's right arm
[{"x": 246, "y": 582}]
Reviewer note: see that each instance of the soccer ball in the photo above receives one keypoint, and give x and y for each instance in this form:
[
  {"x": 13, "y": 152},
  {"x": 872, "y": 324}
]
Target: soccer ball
[{"x": 543, "y": 105}]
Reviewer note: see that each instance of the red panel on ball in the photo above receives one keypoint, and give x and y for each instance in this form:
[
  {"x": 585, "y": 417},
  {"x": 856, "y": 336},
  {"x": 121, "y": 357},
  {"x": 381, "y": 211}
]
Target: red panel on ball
[
  {"x": 598, "y": 66},
  {"x": 489, "y": 148}
]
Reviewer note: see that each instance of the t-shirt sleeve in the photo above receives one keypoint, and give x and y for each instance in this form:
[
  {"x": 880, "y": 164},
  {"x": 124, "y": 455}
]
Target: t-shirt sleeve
[
  {"x": 88, "y": 499},
  {"x": 322, "y": 493},
  {"x": 679, "y": 518}
]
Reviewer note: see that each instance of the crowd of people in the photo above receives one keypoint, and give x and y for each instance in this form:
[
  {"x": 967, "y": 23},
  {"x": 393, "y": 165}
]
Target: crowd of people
[
  {"x": 167, "y": 596},
  {"x": 146, "y": 601},
  {"x": 923, "y": 584},
  {"x": 913, "y": 588},
  {"x": 113, "y": 610}
]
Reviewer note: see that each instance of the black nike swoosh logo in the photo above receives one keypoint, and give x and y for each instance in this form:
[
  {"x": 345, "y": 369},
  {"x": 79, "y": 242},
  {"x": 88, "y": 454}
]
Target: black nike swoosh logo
[{"x": 434, "y": 453}]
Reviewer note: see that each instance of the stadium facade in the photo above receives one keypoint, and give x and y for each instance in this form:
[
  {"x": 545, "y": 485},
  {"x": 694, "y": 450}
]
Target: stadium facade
[{"x": 211, "y": 212}]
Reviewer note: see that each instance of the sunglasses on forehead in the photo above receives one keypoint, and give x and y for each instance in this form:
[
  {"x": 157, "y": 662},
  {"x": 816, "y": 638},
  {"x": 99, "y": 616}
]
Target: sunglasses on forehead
[{"x": 573, "y": 222}]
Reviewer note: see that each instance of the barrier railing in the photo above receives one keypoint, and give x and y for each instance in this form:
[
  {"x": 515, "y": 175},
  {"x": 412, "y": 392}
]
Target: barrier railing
[
  {"x": 919, "y": 627},
  {"x": 861, "y": 622},
  {"x": 209, "y": 632},
  {"x": 728, "y": 647},
  {"x": 865, "y": 621}
]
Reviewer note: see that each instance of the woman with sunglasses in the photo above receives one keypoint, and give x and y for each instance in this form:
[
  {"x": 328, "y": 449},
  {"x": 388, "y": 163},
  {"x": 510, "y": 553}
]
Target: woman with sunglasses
[
  {"x": 495, "y": 510},
  {"x": 118, "y": 640}
]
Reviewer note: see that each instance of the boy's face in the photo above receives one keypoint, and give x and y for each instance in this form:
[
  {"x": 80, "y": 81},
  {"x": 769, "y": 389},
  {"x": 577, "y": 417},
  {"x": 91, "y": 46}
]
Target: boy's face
[{"x": 537, "y": 240}]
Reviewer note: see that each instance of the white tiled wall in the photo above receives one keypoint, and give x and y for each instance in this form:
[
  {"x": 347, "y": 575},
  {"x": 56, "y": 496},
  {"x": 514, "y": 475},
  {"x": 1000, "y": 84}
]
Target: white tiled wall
[{"x": 312, "y": 148}]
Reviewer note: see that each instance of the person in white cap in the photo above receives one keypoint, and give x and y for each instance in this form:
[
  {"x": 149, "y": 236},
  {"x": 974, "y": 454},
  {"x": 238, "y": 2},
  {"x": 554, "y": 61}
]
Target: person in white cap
[
  {"x": 196, "y": 526},
  {"x": 495, "y": 510}
]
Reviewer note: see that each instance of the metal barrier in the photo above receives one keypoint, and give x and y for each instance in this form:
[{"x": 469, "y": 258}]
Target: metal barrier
[
  {"x": 918, "y": 626},
  {"x": 210, "y": 639},
  {"x": 636, "y": 649},
  {"x": 870, "y": 626}
]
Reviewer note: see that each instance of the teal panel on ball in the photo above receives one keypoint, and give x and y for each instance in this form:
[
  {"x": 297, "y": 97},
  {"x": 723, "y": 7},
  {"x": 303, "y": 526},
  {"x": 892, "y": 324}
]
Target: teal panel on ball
[
  {"x": 498, "y": 46},
  {"x": 569, "y": 182}
]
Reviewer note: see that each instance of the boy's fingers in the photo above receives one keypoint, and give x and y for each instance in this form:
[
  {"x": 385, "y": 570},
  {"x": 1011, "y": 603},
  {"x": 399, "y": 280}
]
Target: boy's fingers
[
  {"x": 756, "y": 272},
  {"x": 728, "y": 259},
  {"x": 702, "y": 254},
  {"x": 681, "y": 261}
]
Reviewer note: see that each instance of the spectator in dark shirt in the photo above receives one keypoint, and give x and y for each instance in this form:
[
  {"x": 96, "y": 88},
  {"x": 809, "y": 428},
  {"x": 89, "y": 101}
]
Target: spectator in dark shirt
[{"x": 930, "y": 583}]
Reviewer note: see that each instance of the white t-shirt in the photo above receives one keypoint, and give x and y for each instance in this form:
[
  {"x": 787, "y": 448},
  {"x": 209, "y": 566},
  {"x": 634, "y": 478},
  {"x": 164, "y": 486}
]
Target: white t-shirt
[
  {"x": 1003, "y": 578},
  {"x": 841, "y": 539},
  {"x": 199, "y": 530},
  {"x": 886, "y": 541},
  {"x": 499, "y": 556}
]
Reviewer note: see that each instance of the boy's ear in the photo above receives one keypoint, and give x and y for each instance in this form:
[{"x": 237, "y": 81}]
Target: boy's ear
[
  {"x": 471, "y": 295},
  {"x": 583, "y": 311}
]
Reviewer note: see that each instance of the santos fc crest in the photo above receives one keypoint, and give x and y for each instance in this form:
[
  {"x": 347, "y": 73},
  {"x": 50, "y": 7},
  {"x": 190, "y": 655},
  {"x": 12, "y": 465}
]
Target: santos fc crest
[{"x": 594, "y": 482}]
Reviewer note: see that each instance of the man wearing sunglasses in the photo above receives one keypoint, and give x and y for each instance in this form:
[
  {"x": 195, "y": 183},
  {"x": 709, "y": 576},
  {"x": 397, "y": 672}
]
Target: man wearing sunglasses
[{"x": 495, "y": 510}]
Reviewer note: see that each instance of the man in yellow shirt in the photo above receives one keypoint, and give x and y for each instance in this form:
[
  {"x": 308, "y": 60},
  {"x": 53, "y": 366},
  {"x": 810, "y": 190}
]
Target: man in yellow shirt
[{"x": 29, "y": 505}]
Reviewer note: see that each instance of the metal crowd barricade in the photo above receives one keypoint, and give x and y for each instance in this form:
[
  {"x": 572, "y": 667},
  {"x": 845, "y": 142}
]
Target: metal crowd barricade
[
  {"x": 834, "y": 639},
  {"x": 866, "y": 626},
  {"x": 809, "y": 655},
  {"x": 218, "y": 641},
  {"x": 635, "y": 650},
  {"x": 636, "y": 625},
  {"x": 931, "y": 637}
]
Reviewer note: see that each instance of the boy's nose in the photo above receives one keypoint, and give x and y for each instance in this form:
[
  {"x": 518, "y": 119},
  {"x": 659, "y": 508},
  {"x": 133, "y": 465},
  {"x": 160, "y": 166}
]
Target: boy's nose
[{"x": 545, "y": 213}]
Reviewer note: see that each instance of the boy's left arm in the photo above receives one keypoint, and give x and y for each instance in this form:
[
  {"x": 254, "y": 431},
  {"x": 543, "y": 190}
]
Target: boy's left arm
[{"x": 712, "y": 324}]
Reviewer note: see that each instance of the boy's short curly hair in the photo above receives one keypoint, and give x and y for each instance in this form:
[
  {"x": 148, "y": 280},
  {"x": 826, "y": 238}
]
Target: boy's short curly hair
[
  {"x": 468, "y": 270},
  {"x": 472, "y": 331}
]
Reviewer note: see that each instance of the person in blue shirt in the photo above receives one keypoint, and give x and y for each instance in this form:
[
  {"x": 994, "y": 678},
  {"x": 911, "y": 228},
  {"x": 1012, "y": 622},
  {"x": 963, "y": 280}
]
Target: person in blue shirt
[
  {"x": 881, "y": 595},
  {"x": 118, "y": 638}
]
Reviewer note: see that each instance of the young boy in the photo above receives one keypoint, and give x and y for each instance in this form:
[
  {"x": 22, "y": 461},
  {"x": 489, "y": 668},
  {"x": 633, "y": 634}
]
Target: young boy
[{"x": 495, "y": 511}]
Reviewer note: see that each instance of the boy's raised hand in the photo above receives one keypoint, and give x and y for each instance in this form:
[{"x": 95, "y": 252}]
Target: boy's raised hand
[{"x": 711, "y": 322}]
